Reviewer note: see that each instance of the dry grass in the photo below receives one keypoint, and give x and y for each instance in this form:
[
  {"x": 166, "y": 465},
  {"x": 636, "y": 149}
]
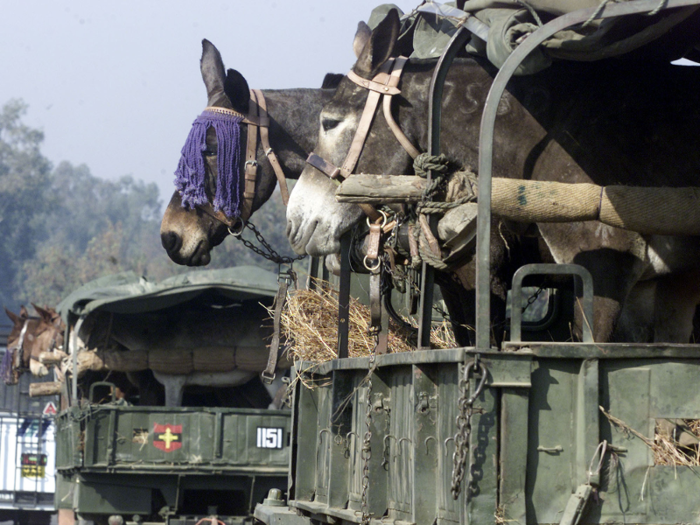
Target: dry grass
[
  {"x": 667, "y": 451},
  {"x": 310, "y": 325}
]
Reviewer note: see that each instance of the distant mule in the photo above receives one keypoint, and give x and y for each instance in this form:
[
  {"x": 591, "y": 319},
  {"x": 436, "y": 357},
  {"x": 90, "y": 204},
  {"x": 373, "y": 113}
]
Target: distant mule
[
  {"x": 29, "y": 337},
  {"x": 616, "y": 122},
  {"x": 188, "y": 234}
]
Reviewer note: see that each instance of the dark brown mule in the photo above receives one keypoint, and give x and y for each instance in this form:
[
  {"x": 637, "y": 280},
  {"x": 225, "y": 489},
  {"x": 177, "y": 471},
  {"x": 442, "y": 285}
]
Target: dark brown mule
[
  {"x": 617, "y": 122},
  {"x": 29, "y": 337},
  {"x": 188, "y": 235}
]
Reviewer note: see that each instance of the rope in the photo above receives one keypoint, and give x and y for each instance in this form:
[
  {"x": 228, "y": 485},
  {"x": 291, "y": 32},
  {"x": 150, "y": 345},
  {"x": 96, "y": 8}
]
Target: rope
[
  {"x": 438, "y": 166},
  {"x": 532, "y": 11}
]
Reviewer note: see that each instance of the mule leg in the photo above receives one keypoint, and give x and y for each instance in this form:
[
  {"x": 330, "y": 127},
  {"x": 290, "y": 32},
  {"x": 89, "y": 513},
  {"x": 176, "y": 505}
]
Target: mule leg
[
  {"x": 174, "y": 386},
  {"x": 616, "y": 260},
  {"x": 676, "y": 300}
]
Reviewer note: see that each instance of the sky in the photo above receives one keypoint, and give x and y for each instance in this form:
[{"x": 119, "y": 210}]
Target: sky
[{"x": 116, "y": 85}]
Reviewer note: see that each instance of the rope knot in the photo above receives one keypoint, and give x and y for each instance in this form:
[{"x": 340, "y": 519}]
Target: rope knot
[{"x": 425, "y": 162}]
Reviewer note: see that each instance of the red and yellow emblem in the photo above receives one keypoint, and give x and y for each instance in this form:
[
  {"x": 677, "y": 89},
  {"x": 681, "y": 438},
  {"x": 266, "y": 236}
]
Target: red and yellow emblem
[{"x": 167, "y": 438}]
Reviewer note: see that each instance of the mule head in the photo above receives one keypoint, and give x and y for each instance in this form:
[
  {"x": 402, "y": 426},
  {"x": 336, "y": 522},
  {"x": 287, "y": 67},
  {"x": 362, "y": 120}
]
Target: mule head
[
  {"x": 28, "y": 338},
  {"x": 315, "y": 221},
  {"x": 189, "y": 233}
]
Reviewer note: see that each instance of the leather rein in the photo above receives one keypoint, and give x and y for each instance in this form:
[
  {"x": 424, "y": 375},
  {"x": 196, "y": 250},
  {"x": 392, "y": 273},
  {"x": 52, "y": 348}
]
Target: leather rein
[
  {"x": 383, "y": 85},
  {"x": 258, "y": 122}
]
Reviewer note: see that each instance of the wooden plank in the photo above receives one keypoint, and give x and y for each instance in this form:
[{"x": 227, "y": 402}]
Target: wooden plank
[{"x": 381, "y": 189}]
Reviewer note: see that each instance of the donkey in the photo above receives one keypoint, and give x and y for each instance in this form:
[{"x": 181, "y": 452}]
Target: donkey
[
  {"x": 189, "y": 233},
  {"x": 29, "y": 337},
  {"x": 608, "y": 123}
]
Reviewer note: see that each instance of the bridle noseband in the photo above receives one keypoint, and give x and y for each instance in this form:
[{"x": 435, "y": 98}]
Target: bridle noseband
[{"x": 383, "y": 85}]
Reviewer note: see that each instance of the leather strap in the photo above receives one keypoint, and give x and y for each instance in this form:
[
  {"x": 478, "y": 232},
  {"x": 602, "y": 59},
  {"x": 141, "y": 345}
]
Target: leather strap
[
  {"x": 258, "y": 121},
  {"x": 250, "y": 169},
  {"x": 254, "y": 120},
  {"x": 379, "y": 83},
  {"x": 321, "y": 164},
  {"x": 383, "y": 84},
  {"x": 265, "y": 141},
  {"x": 268, "y": 375},
  {"x": 400, "y": 135}
]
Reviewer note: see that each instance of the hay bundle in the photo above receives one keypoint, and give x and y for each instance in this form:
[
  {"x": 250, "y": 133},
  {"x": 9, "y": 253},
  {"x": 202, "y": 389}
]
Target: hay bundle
[
  {"x": 675, "y": 443},
  {"x": 310, "y": 326}
]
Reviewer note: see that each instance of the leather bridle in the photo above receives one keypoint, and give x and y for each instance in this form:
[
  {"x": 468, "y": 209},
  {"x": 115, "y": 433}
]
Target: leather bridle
[
  {"x": 258, "y": 122},
  {"x": 383, "y": 85}
]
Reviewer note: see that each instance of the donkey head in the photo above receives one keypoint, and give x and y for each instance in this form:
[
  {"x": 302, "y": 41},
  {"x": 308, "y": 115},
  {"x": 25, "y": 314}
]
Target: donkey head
[
  {"x": 189, "y": 233},
  {"x": 29, "y": 337},
  {"x": 315, "y": 221}
]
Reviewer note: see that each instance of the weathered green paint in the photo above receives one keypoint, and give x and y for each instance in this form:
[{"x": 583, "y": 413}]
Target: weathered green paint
[
  {"x": 533, "y": 438},
  {"x": 108, "y": 463}
]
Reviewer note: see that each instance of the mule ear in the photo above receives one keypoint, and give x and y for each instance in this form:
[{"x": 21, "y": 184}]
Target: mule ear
[
  {"x": 43, "y": 313},
  {"x": 361, "y": 38},
  {"x": 380, "y": 46},
  {"x": 331, "y": 80},
  {"x": 237, "y": 91},
  {"x": 213, "y": 74},
  {"x": 13, "y": 317}
]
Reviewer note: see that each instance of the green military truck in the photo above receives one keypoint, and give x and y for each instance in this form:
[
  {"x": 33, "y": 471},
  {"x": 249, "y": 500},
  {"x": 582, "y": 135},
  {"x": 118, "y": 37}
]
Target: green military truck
[
  {"x": 123, "y": 457},
  {"x": 538, "y": 430}
]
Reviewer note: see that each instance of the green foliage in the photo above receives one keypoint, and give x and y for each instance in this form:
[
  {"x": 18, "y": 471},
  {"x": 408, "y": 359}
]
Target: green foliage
[{"x": 24, "y": 176}]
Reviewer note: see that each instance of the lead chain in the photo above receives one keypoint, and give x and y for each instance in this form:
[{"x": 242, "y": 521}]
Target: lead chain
[
  {"x": 464, "y": 426},
  {"x": 366, "y": 453}
]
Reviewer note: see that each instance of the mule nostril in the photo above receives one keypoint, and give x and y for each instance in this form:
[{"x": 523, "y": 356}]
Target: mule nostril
[{"x": 171, "y": 241}]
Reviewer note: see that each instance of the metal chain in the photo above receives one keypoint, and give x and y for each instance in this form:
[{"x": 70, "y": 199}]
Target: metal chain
[
  {"x": 366, "y": 453},
  {"x": 464, "y": 428},
  {"x": 267, "y": 252},
  {"x": 533, "y": 298}
]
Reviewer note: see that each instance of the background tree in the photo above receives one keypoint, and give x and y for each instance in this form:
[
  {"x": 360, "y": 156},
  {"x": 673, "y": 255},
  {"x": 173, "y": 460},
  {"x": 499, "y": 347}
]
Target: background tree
[
  {"x": 24, "y": 176},
  {"x": 66, "y": 227}
]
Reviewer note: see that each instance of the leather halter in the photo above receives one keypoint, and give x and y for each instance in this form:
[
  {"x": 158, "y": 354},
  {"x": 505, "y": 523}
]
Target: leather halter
[
  {"x": 384, "y": 84},
  {"x": 257, "y": 121}
]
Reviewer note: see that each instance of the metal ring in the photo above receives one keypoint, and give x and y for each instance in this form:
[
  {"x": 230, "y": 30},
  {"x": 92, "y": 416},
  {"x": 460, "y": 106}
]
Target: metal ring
[
  {"x": 236, "y": 229},
  {"x": 371, "y": 268},
  {"x": 482, "y": 382},
  {"x": 385, "y": 219}
]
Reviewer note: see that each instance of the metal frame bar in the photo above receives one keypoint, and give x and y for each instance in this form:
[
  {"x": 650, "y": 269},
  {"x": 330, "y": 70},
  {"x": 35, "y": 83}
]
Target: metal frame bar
[
  {"x": 516, "y": 311},
  {"x": 437, "y": 82},
  {"x": 483, "y": 289}
]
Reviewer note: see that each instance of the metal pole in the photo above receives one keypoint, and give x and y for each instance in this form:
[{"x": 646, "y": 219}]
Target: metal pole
[
  {"x": 344, "y": 296},
  {"x": 437, "y": 82}
]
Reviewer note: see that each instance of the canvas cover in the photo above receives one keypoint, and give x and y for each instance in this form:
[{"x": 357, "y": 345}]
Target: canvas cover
[
  {"x": 129, "y": 293},
  {"x": 668, "y": 36}
]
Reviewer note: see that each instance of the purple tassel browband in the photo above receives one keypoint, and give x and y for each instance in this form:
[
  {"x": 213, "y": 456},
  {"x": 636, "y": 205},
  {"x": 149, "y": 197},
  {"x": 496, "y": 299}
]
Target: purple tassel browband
[{"x": 190, "y": 176}]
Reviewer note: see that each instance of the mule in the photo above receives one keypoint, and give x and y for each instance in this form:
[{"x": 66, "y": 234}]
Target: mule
[
  {"x": 616, "y": 122},
  {"x": 189, "y": 234},
  {"x": 29, "y": 337}
]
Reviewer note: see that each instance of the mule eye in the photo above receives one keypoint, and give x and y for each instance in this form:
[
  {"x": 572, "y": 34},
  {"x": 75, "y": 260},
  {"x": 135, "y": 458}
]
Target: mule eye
[{"x": 328, "y": 124}]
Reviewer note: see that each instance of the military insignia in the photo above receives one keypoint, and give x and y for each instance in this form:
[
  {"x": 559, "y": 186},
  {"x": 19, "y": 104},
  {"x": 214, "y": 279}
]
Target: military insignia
[{"x": 167, "y": 438}]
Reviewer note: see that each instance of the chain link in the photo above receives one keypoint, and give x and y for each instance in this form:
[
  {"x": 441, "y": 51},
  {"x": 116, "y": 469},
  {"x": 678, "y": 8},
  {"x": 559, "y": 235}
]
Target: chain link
[
  {"x": 267, "y": 251},
  {"x": 464, "y": 428},
  {"x": 366, "y": 453}
]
